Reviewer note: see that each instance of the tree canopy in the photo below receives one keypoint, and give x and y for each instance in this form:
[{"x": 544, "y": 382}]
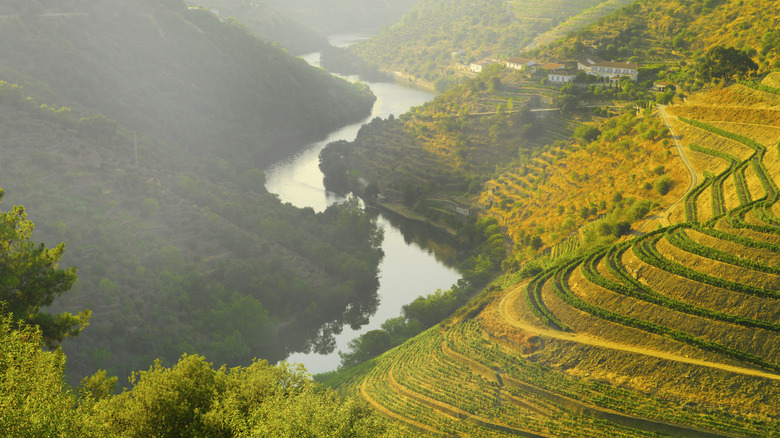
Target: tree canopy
[
  {"x": 188, "y": 399},
  {"x": 726, "y": 63},
  {"x": 30, "y": 279}
]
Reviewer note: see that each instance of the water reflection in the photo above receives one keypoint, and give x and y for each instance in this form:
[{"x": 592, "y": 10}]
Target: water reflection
[
  {"x": 418, "y": 260},
  {"x": 441, "y": 245}
]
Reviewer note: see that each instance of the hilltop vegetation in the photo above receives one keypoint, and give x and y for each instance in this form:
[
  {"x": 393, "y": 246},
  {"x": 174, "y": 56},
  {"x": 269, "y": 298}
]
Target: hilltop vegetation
[
  {"x": 673, "y": 39},
  {"x": 436, "y": 37},
  {"x": 152, "y": 175}
]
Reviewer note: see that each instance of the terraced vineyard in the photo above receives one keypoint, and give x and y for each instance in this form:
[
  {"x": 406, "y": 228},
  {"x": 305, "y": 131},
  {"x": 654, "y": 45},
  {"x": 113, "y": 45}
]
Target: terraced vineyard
[{"x": 672, "y": 332}]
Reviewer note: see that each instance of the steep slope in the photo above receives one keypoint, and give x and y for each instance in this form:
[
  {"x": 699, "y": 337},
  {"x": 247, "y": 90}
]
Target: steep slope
[
  {"x": 177, "y": 73},
  {"x": 160, "y": 196},
  {"x": 674, "y": 331},
  {"x": 671, "y": 330}
]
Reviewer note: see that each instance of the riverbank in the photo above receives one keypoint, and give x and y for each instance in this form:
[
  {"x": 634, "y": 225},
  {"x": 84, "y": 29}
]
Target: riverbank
[
  {"x": 403, "y": 212},
  {"x": 411, "y": 81}
]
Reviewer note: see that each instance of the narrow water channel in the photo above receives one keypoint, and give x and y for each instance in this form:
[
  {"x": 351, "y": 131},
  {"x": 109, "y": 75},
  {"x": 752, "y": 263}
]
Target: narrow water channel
[{"x": 416, "y": 262}]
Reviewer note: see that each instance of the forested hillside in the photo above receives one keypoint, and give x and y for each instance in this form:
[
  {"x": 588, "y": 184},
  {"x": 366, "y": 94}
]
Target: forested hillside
[
  {"x": 136, "y": 132},
  {"x": 437, "y": 38},
  {"x": 149, "y": 64},
  {"x": 267, "y": 24}
]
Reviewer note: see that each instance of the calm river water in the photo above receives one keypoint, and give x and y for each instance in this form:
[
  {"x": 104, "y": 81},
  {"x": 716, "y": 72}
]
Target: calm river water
[{"x": 410, "y": 267}]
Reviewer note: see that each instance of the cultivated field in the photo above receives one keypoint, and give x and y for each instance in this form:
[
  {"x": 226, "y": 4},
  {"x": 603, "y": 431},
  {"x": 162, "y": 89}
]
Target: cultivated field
[{"x": 675, "y": 331}]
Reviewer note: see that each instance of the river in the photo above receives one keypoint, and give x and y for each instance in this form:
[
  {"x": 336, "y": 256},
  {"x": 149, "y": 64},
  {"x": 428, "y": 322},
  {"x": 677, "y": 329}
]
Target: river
[{"x": 411, "y": 267}]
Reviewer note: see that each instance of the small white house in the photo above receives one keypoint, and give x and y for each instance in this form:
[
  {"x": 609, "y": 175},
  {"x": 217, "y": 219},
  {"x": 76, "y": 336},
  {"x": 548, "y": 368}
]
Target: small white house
[
  {"x": 561, "y": 76},
  {"x": 664, "y": 86},
  {"x": 521, "y": 63},
  {"x": 478, "y": 66}
]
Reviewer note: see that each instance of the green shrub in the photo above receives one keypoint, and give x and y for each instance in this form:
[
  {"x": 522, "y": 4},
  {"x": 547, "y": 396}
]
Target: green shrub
[{"x": 663, "y": 184}]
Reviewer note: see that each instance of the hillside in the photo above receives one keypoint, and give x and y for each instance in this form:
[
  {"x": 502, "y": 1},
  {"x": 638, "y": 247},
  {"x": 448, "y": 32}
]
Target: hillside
[
  {"x": 338, "y": 17},
  {"x": 267, "y": 24},
  {"x": 673, "y": 331},
  {"x": 437, "y": 38},
  {"x": 639, "y": 294},
  {"x": 136, "y": 132},
  {"x": 150, "y": 65},
  {"x": 672, "y": 37},
  {"x": 501, "y": 146}
]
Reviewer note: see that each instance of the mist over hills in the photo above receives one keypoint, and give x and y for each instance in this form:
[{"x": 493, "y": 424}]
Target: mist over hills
[
  {"x": 267, "y": 24},
  {"x": 330, "y": 17},
  {"x": 137, "y": 132}
]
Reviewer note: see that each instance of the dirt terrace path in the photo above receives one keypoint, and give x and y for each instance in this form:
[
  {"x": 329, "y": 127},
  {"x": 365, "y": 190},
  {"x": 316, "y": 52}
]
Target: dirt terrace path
[
  {"x": 506, "y": 310},
  {"x": 691, "y": 171}
]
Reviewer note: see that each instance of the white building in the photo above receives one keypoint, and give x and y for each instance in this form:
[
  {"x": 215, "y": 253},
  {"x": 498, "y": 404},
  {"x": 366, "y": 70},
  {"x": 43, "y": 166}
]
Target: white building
[
  {"x": 608, "y": 69},
  {"x": 521, "y": 63},
  {"x": 562, "y": 76},
  {"x": 478, "y": 66}
]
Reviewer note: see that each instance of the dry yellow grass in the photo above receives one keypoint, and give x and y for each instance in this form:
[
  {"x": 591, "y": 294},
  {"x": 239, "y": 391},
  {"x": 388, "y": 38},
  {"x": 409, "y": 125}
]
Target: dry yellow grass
[{"x": 772, "y": 80}]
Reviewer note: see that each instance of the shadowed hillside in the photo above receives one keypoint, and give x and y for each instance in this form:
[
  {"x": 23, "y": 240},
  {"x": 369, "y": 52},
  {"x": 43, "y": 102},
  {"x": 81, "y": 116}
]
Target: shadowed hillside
[{"x": 152, "y": 174}]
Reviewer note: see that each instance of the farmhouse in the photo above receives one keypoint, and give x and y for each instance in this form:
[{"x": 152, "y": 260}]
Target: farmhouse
[
  {"x": 562, "y": 76},
  {"x": 608, "y": 69},
  {"x": 520, "y": 63},
  {"x": 663, "y": 86},
  {"x": 478, "y": 66},
  {"x": 587, "y": 63}
]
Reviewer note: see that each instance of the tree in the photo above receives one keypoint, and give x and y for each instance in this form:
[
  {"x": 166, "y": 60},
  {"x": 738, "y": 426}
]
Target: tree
[
  {"x": 30, "y": 279},
  {"x": 192, "y": 399},
  {"x": 587, "y": 133},
  {"x": 34, "y": 399},
  {"x": 663, "y": 184},
  {"x": 725, "y": 63},
  {"x": 366, "y": 346}
]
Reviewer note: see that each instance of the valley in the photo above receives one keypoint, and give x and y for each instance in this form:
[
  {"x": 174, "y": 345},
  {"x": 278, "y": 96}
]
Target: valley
[{"x": 599, "y": 177}]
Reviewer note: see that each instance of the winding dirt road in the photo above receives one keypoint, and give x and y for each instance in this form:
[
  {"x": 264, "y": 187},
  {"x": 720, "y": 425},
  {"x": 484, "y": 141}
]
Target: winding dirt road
[
  {"x": 691, "y": 171},
  {"x": 506, "y": 311}
]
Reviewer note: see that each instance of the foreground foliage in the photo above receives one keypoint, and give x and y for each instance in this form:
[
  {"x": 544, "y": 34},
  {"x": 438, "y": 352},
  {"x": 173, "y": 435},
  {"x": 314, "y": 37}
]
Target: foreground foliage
[
  {"x": 152, "y": 172},
  {"x": 190, "y": 398}
]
